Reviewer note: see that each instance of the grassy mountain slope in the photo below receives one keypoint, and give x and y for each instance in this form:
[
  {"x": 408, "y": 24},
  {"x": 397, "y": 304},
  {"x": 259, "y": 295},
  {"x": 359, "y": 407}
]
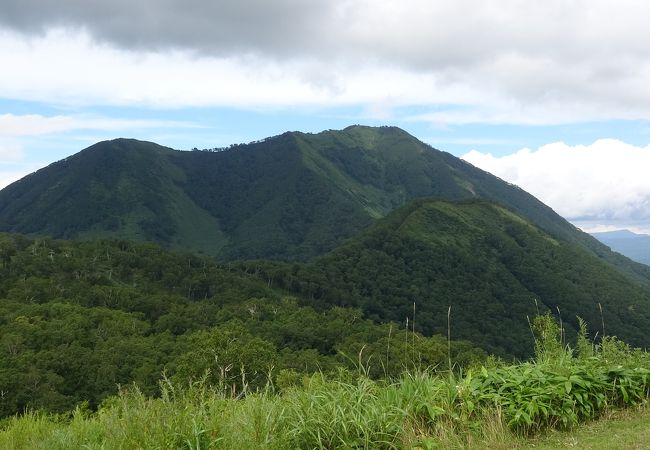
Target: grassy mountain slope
[{"x": 486, "y": 262}]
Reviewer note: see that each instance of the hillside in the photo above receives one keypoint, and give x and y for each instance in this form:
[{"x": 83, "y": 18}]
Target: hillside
[
  {"x": 122, "y": 188},
  {"x": 288, "y": 197},
  {"x": 79, "y": 318},
  {"x": 486, "y": 262}
]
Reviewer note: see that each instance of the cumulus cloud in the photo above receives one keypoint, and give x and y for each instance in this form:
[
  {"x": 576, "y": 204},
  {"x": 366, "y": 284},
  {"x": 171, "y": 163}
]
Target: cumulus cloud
[
  {"x": 64, "y": 67},
  {"x": 596, "y": 185},
  {"x": 508, "y": 61}
]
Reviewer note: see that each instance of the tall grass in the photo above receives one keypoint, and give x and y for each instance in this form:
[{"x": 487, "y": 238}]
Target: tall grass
[{"x": 486, "y": 406}]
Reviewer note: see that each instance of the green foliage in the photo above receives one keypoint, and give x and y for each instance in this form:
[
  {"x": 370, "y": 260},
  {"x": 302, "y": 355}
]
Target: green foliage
[
  {"x": 342, "y": 351},
  {"x": 228, "y": 356},
  {"x": 548, "y": 340},
  {"x": 559, "y": 390},
  {"x": 78, "y": 319},
  {"x": 492, "y": 407},
  {"x": 584, "y": 347},
  {"x": 484, "y": 261},
  {"x": 288, "y": 197},
  {"x": 402, "y": 351},
  {"x": 343, "y": 415}
]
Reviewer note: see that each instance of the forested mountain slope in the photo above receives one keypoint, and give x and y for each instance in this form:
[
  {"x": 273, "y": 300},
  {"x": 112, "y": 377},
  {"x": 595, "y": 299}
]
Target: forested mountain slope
[
  {"x": 493, "y": 267},
  {"x": 288, "y": 197}
]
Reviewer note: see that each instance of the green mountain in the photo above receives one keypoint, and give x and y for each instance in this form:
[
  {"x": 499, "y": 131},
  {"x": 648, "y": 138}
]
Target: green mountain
[
  {"x": 392, "y": 230},
  {"x": 493, "y": 267},
  {"x": 288, "y": 197},
  {"x": 122, "y": 188}
]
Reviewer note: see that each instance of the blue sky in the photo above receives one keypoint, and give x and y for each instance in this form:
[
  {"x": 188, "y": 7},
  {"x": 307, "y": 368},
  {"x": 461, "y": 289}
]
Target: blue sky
[{"x": 554, "y": 96}]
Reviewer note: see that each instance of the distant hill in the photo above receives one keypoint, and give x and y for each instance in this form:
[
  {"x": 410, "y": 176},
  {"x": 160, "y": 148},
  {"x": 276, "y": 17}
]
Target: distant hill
[
  {"x": 288, "y": 197},
  {"x": 634, "y": 246},
  {"x": 486, "y": 262}
]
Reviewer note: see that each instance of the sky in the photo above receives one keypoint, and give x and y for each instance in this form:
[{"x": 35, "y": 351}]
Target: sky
[{"x": 553, "y": 96}]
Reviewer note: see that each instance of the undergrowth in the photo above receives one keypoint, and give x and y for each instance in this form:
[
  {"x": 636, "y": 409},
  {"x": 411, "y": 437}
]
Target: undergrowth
[{"x": 479, "y": 407}]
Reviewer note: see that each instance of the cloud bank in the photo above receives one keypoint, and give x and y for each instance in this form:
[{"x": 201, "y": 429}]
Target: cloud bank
[
  {"x": 594, "y": 185},
  {"x": 64, "y": 67},
  {"x": 503, "y": 62}
]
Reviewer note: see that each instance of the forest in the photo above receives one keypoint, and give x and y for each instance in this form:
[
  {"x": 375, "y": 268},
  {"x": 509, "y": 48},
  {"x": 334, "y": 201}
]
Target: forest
[{"x": 80, "y": 319}]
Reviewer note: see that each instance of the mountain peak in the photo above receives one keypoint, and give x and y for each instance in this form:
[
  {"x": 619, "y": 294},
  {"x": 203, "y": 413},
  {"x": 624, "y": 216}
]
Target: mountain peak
[
  {"x": 383, "y": 131},
  {"x": 356, "y": 131},
  {"x": 292, "y": 196},
  {"x": 379, "y": 129},
  {"x": 126, "y": 144}
]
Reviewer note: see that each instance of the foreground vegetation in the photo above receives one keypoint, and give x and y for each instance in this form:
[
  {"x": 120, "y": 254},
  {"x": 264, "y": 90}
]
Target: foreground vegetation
[{"x": 493, "y": 405}]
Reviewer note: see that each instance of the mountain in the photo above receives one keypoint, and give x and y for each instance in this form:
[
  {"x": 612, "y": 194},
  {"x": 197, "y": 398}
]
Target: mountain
[
  {"x": 634, "y": 246},
  {"x": 289, "y": 197},
  {"x": 122, "y": 188},
  {"x": 492, "y": 266}
]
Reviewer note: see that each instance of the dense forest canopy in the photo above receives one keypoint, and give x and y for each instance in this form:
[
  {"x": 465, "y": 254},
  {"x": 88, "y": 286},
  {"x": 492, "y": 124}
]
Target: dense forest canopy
[
  {"x": 494, "y": 268},
  {"x": 288, "y": 197},
  {"x": 77, "y": 319}
]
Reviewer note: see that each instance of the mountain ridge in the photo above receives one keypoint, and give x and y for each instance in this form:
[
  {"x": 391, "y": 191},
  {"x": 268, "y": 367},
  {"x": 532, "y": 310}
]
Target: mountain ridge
[
  {"x": 635, "y": 246},
  {"x": 290, "y": 197}
]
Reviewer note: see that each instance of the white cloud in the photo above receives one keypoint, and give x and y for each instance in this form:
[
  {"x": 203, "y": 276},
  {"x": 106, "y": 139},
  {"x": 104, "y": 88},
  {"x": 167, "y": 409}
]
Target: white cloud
[
  {"x": 511, "y": 62},
  {"x": 69, "y": 67},
  {"x": 604, "y": 183},
  {"x": 32, "y": 124},
  {"x": 35, "y": 124}
]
